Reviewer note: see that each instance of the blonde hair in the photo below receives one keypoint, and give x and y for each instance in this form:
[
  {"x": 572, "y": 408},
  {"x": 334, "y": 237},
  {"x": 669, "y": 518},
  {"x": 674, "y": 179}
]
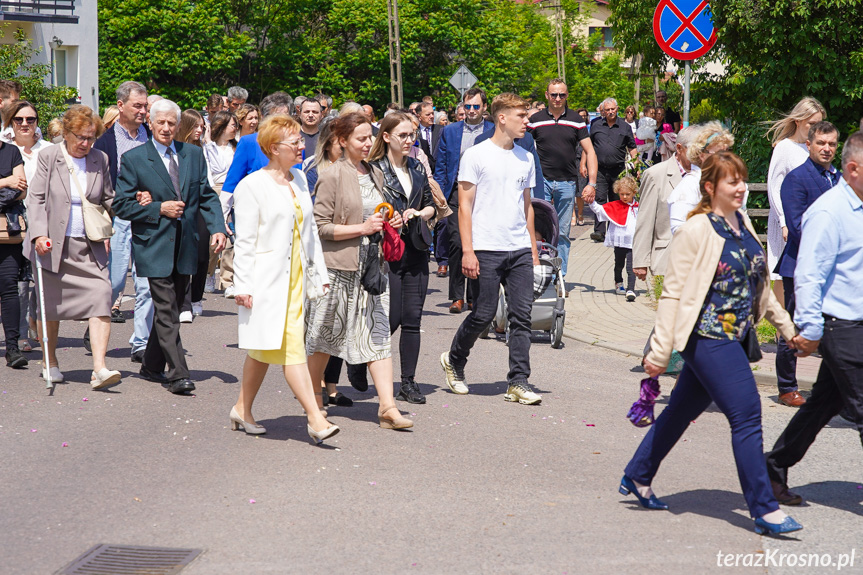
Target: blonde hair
[
  {"x": 273, "y": 129},
  {"x": 786, "y": 126},
  {"x": 627, "y": 182},
  {"x": 110, "y": 116},
  {"x": 55, "y": 128},
  {"x": 716, "y": 167},
  {"x": 710, "y": 134},
  {"x": 506, "y": 101},
  {"x": 388, "y": 124}
]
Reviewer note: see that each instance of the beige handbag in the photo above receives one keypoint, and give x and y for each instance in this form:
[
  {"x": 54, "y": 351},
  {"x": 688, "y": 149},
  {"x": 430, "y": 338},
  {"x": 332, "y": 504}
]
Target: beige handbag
[
  {"x": 97, "y": 222},
  {"x": 441, "y": 207}
]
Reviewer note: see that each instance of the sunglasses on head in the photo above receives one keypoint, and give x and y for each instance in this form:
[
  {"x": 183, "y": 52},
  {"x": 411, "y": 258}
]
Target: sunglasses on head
[
  {"x": 472, "y": 106},
  {"x": 558, "y": 95},
  {"x": 29, "y": 119}
]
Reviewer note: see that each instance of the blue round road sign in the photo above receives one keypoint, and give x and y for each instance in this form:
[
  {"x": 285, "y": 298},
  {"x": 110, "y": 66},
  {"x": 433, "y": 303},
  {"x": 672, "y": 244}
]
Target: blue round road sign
[{"x": 684, "y": 28}]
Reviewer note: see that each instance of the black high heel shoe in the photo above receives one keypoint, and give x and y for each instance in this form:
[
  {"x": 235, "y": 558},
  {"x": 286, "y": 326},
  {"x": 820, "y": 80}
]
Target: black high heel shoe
[{"x": 627, "y": 486}]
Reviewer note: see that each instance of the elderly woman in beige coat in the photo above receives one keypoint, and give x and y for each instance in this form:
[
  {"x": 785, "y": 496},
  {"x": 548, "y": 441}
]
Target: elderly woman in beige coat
[
  {"x": 277, "y": 252},
  {"x": 75, "y": 276}
]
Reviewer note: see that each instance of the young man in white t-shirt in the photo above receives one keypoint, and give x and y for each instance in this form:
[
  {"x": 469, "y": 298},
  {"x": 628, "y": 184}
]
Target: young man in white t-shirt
[{"x": 498, "y": 245}]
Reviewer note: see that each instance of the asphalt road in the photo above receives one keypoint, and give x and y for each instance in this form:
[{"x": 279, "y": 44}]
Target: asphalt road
[{"x": 478, "y": 486}]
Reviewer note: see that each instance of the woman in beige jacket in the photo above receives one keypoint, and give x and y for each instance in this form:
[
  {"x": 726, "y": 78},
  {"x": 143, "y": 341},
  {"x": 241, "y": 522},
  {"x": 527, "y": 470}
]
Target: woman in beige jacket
[{"x": 716, "y": 290}]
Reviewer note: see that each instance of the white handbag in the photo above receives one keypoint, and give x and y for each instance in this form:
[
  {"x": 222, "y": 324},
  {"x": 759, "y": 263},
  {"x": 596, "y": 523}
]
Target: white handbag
[{"x": 97, "y": 222}]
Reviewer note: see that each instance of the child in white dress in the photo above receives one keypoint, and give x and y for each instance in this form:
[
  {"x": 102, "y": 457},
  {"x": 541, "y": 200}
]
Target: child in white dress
[{"x": 620, "y": 215}]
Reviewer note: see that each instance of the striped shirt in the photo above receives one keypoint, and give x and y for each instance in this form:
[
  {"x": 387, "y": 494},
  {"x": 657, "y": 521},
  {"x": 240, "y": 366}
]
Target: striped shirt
[
  {"x": 126, "y": 142},
  {"x": 557, "y": 143}
]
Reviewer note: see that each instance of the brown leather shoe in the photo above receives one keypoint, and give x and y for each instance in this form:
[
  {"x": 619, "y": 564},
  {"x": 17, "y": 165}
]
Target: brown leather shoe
[
  {"x": 457, "y": 306},
  {"x": 792, "y": 399},
  {"x": 784, "y": 496},
  {"x": 442, "y": 271}
]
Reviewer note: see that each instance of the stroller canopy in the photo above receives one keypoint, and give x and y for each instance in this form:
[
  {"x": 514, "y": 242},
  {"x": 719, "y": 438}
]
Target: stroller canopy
[{"x": 545, "y": 221}]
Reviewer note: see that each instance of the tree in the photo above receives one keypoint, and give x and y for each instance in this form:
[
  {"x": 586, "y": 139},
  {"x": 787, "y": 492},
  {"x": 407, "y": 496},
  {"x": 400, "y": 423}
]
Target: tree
[{"x": 16, "y": 63}]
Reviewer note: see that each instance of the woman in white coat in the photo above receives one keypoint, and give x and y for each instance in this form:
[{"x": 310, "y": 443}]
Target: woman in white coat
[{"x": 276, "y": 239}]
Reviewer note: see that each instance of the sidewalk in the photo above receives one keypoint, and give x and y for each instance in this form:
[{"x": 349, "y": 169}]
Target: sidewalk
[{"x": 597, "y": 316}]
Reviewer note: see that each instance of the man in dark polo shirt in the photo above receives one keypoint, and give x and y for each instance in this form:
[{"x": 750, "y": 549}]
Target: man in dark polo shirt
[
  {"x": 558, "y": 132},
  {"x": 671, "y": 117},
  {"x": 612, "y": 140}
]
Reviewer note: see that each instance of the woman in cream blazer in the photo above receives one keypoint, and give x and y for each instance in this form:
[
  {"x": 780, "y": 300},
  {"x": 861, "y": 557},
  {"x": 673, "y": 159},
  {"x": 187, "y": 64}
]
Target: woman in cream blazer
[
  {"x": 276, "y": 247},
  {"x": 717, "y": 288}
]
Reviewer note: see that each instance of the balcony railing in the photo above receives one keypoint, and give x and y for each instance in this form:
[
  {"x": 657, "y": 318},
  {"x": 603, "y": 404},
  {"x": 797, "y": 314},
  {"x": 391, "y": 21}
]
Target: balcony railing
[{"x": 56, "y": 11}]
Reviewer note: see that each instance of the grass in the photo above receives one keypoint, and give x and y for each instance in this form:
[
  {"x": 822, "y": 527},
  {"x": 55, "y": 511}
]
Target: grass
[
  {"x": 766, "y": 332},
  {"x": 657, "y": 287}
]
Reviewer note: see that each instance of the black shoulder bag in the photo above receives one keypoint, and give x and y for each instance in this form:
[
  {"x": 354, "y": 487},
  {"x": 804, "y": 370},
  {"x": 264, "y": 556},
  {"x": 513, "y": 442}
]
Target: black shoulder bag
[
  {"x": 750, "y": 340},
  {"x": 374, "y": 278}
]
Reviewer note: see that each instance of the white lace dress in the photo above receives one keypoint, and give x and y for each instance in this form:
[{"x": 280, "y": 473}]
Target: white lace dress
[{"x": 786, "y": 156}]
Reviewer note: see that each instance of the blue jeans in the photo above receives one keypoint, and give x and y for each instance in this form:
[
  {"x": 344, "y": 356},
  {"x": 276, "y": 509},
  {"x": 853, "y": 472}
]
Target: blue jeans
[
  {"x": 715, "y": 371},
  {"x": 513, "y": 270},
  {"x": 562, "y": 195},
  {"x": 121, "y": 255}
]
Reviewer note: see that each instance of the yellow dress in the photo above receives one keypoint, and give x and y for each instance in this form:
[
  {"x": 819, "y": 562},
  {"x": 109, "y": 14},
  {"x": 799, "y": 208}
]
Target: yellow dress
[{"x": 293, "y": 350}]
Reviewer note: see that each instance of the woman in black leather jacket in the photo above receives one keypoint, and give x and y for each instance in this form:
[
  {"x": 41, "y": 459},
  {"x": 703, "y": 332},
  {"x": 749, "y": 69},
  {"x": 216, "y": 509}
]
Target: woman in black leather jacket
[{"x": 407, "y": 189}]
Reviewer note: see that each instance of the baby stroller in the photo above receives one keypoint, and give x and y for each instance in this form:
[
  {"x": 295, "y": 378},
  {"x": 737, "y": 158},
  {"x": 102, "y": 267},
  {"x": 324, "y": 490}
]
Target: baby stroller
[{"x": 549, "y": 293}]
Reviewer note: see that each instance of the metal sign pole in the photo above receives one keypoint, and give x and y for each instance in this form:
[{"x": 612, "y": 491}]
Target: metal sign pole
[{"x": 686, "y": 76}]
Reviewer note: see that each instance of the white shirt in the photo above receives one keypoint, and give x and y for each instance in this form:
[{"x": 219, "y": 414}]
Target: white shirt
[
  {"x": 404, "y": 180},
  {"x": 616, "y": 236},
  {"x": 161, "y": 149},
  {"x": 219, "y": 160},
  {"x": 75, "y": 226},
  {"x": 686, "y": 196},
  {"x": 31, "y": 160},
  {"x": 500, "y": 177}
]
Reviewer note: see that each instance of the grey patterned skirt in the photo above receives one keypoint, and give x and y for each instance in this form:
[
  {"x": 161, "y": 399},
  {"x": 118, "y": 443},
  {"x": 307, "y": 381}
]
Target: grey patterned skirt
[{"x": 348, "y": 322}]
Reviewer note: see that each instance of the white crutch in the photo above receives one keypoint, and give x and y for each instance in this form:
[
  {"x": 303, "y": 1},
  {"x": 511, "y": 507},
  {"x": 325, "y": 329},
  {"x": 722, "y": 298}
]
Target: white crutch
[{"x": 48, "y": 383}]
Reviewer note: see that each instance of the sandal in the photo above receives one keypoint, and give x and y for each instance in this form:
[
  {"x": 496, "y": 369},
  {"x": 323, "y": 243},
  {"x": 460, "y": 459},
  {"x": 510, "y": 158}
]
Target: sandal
[
  {"x": 24, "y": 345},
  {"x": 581, "y": 221},
  {"x": 398, "y": 421}
]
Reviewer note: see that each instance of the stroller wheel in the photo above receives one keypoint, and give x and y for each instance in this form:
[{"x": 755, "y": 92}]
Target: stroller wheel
[{"x": 557, "y": 332}]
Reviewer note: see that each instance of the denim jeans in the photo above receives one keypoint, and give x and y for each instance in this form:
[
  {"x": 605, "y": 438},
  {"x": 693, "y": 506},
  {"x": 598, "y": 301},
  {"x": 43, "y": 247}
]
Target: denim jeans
[
  {"x": 715, "y": 371},
  {"x": 562, "y": 195},
  {"x": 121, "y": 255},
  {"x": 513, "y": 270}
]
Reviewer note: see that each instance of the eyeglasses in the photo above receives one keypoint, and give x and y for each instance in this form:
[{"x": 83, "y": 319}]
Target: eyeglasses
[
  {"x": 472, "y": 106},
  {"x": 296, "y": 143},
  {"x": 83, "y": 139},
  {"x": 20, "y": 121},
  {"x": 558, "y": 96},
  {"x": 408, "y": 137}
]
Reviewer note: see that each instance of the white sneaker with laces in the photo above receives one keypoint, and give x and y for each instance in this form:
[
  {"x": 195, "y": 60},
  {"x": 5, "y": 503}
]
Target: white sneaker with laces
[
  {"x": 619, "y": 289},
  {"x": 522, "y": 393},
  {"x": 186, "y": 317},
  {"x": 197, "y": 308},
  {"x": 630, "y": 295},
  {"x": 454, "y": 377}
]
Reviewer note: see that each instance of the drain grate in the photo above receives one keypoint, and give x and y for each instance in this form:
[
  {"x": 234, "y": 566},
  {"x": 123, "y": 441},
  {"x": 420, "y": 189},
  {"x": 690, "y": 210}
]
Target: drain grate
[{"x": 131, "y": 560}]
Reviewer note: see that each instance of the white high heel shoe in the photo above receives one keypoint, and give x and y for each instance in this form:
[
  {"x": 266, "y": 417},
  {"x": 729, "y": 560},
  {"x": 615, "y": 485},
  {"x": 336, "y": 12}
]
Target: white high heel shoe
[
  {"x": 103, "y": 378},
  {"x": 250, "y": 428},
  {"x": 319, "y": 436}
]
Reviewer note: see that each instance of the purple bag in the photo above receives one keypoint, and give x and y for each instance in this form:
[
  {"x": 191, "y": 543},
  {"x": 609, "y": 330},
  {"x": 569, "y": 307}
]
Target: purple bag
[{"x": 641, "y": 412}]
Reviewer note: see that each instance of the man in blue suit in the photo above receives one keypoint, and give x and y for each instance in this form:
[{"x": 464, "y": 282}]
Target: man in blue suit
[
  {"x": 801, "y": 187},
  {"x": 454, "y": 141}
]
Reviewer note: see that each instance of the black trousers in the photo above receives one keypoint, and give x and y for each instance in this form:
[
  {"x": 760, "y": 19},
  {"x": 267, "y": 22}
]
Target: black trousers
[
  {"x": 11, "y": 261},
  {"x": 839, "y": 385},
  {"x": 456, "y": 277},
  {"x": 164, "y": 345},
  {"x": 786, "y": 358},
  {"x": 409, "y": 282},
  {"x": 195, "y": 291},
  {"x": 623, "y": 256},
  {"x": 605, "y": 178},
  {"x": 441, "y": 243}
]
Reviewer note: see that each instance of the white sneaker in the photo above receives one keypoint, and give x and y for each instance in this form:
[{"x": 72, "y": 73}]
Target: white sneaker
[
  {"x": 186, "y": 317},
  {"x": 210, "y": 284},
  {"x": 630, "y": 295},
  {"x": 229, "y": 292},
  {"x": 454, "y": 376},
  {"x": 197, "y": 308},
  {"x": 103, "y": 378},
  {"x": 619, "y": 289},
  {"x": 56, "y": 374}
]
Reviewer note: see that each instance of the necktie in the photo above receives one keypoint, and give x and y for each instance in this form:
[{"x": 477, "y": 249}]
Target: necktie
[{"x": 174, "y": 171}]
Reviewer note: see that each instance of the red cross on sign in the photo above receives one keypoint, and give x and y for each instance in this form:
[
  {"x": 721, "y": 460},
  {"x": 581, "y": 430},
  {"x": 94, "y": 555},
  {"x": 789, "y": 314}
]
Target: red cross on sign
[{"x": 684, "y": 28}]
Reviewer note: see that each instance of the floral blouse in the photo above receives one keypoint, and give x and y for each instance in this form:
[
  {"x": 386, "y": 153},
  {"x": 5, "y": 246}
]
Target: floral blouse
[{"x": 728, "y": 308}]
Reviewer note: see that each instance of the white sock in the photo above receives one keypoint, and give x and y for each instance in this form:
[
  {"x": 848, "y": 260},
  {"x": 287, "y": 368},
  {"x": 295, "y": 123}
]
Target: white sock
[{"x": 775, "y": 517}]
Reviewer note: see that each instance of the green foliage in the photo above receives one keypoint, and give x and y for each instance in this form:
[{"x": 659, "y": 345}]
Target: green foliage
[
  {"x": 15, "y": 63},
  {"x": 766, "y": 332},
  {"x": 187, "y": 49},
  {"x": 591, "y": 79},
  {"x": 703, "y": 112}
]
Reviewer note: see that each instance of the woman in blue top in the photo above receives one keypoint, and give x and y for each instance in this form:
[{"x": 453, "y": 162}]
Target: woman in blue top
[{"x": 716, "y": 289}]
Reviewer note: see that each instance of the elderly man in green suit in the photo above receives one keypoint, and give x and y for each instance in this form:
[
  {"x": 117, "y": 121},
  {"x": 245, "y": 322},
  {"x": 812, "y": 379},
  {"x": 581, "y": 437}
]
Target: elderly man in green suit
[{"x": 162, "y": 189}]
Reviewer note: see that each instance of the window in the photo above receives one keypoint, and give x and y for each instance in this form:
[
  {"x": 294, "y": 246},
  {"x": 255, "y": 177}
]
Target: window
[{"x": 607, "y": 35}]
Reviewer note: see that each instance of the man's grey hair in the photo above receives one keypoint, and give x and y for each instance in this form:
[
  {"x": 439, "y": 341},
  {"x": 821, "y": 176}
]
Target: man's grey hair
[
  {"x": 238, "y": 93},
  {"x": 606, "y": 102},
  {"x": 688, "y": 134},
  {"x": 351, "y": 107},
  {"x": 164, "y": 106},
  {"x": 298, "y": 102},
  {"x": 124, "y": 90},
  {"x": 852, "y": 151},
  {"x": 324, "y": 99},
  {"x": 274, "y": 101}
]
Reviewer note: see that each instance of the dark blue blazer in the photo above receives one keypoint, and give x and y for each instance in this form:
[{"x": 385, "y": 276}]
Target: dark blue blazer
[
  {"x": 107, "y": 143},
  {"x": 449, "y": 156},
  {"x": 800, "y": 188}
]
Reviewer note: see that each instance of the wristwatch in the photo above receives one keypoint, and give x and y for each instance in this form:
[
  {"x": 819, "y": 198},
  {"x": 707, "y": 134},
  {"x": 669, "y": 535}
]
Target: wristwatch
[{"x": 591, "y": 184}]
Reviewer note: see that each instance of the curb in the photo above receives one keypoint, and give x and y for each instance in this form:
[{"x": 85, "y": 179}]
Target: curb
[{"x": 762, "y": 378}]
